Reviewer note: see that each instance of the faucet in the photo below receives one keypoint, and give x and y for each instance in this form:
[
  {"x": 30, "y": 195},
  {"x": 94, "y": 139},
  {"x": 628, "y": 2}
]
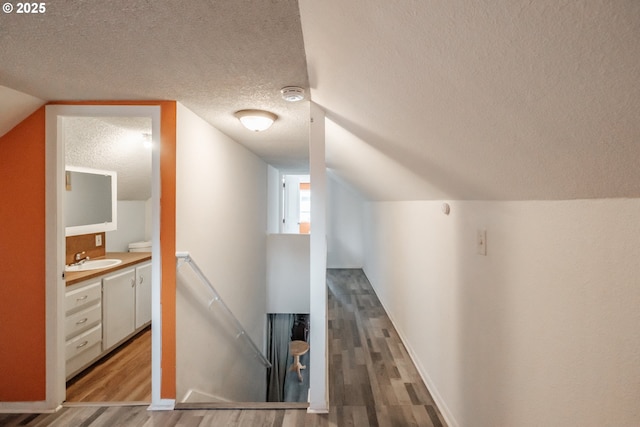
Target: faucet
[{"x": 80, "y": 257}]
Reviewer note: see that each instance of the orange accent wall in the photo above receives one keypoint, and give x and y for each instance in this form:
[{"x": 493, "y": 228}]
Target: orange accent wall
[
  {"x": 22, "y": 261},
  {"x": 167, "y": 234},
  {"x": 22, "y": 254},
  {"x": 168, "y": 247}
]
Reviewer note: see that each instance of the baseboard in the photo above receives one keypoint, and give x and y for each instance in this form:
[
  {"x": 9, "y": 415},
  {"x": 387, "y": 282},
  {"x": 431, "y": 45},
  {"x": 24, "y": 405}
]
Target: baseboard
[
  {"x": 444, "y": 409},
  {"x": 324, "y": 410},
  {"x": 321, "y": 407},
  {"x": 243, "y": 405},
  {"x": 433, "y": 390},
  {"x": 163, "y": 405},
  {"x": 39, "y": 407},
  {"x": 102, "y": 404},
  {"x": 206, "y": 397}
]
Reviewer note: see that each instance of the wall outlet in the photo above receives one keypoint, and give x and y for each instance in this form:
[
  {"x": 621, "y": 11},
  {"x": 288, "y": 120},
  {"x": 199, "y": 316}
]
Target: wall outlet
[
  {"x": 98, "y": 239},
  {"x": 481, "y": 242}
]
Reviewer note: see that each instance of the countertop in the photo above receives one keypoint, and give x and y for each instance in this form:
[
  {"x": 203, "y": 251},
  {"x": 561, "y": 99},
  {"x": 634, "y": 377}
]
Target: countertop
[{"x": 128, "y": 259}]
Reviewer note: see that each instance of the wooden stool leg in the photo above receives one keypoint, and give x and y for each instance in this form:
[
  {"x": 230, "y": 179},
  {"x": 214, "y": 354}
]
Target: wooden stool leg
[{"x": 297, "y": 366}]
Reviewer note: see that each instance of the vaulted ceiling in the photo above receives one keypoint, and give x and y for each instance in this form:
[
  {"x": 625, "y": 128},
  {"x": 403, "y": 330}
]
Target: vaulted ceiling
[
  {"x": 215, "y": 57},
  {"x": 455, "y": 99}
]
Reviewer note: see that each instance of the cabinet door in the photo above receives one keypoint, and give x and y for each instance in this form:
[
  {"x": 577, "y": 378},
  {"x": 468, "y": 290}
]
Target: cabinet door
[
  {"x": 143, "y": 295},
  {"x": 118, "y": 301}
]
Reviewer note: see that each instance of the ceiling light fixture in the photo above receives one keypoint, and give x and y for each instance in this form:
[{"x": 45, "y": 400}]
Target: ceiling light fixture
[
  {"x": 256, "y": 120},
  {"x": 292, "y": 93}
]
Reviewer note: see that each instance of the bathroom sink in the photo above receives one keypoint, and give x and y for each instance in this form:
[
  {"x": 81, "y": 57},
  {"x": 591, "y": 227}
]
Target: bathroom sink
[{"x": 93, "y": 264}]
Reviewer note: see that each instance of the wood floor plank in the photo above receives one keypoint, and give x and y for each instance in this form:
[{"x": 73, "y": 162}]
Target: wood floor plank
[
  {"x": 293, "y": 418},
  {"x": 122, "y": 376},
  {"x": 373, "y": 382},
  {"x": 394, "y": 383}
]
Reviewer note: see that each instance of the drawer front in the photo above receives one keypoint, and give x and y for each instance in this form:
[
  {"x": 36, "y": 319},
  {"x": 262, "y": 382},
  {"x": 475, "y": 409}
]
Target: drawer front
[
  {"x": 82, "y": 342},
  {"x": 83, "y": 360},
  {"x": 84, "y": 296},
  {"x": 82, "y": 320}
]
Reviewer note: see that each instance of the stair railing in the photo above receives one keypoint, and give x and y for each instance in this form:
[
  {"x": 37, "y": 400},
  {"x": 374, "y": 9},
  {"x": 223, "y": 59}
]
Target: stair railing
[{"x": 184, "y": 257}]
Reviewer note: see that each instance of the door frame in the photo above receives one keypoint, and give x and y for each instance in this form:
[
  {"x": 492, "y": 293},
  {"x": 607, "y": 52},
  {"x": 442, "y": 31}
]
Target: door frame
[{"x": 55, "y": 243}]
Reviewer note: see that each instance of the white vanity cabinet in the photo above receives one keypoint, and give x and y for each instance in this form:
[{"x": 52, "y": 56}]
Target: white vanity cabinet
[
  {"x": 118, "y": 299},
  {"x": 143, "y": 295},
  {"x": 83, "y": 325},
  {"x": 126, "y": 299},
  {"x": 103, "y": 312}
]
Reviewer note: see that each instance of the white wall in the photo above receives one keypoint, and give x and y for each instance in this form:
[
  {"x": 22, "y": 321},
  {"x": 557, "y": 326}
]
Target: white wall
[
  {"x": 345, "y": 210},
  {"x": 148, "y": 213},
  {"x": 221, "y": 209},
  {"x": 15, "y": 107},
  {"x": 318, "y": 371},
  {"x": 132, "y": 226},
  {"x": 288, "y": 276},
  {"x": 541, "y": 331},
  {"x": 274, "y": 187}
]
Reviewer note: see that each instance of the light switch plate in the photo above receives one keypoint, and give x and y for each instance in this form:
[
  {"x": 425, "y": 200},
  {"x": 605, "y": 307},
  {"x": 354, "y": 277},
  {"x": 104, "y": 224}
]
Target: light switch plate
[
  {"x": 481, "y": 242},
  {"x": 98, "y": 239}
]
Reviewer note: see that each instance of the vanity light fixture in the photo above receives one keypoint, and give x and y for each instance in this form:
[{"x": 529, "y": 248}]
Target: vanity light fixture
[{"x": 256, "y": 120}]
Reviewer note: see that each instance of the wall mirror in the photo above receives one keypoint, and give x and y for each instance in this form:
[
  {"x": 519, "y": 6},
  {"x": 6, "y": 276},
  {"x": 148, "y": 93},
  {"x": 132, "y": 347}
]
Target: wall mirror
[{"x": 90, "y": 201}]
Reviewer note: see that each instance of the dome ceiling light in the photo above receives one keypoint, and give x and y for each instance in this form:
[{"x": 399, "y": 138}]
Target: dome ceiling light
[
  {"x": 256, "y": 120},
  {"x": 292, "y": 93}
]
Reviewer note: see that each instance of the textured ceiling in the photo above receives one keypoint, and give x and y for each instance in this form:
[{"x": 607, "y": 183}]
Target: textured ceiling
[
  {"x": 215, "y": 57},
  {"x": 479, "y": 99},
  {"x": 115, "y": 144},
  {"x": 461, "y": 99}
]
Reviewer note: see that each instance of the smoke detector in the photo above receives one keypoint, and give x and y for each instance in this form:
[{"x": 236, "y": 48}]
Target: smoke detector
[{"x": 292, "y": 93}]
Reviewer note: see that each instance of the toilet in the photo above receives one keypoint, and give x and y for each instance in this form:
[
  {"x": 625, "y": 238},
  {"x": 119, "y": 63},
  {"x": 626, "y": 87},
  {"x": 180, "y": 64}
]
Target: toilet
[{"x": 140, "y": 246}]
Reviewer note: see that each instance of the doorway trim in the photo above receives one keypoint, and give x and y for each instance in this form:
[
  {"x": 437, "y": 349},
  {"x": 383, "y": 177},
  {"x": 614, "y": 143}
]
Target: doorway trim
[{"x": 55, "y": 248}]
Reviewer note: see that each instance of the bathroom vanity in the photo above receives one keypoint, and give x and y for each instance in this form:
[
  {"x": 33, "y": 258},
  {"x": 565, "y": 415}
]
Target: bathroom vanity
[{"x": 105, "y": 307}]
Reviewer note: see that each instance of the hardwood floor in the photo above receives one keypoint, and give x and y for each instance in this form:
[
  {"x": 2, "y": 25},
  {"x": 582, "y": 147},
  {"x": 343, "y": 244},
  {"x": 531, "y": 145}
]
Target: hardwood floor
[
  {"x": 372, "y": 379},
  {"x": 123, "y": 376},
  {"x": 373, "y": 382}
]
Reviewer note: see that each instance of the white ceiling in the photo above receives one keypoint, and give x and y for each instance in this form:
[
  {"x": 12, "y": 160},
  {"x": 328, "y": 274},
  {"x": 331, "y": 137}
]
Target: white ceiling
[
  {"x": 456, "y": 99},
  {"x": 114, "y": 144},
  {"x": 215, "y": 57},
  {"x": 474, "y": 99}
]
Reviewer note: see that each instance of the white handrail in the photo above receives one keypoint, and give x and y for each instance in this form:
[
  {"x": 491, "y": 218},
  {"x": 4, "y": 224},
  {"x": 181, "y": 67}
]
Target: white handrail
[{"x": 186, "y": 258}]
